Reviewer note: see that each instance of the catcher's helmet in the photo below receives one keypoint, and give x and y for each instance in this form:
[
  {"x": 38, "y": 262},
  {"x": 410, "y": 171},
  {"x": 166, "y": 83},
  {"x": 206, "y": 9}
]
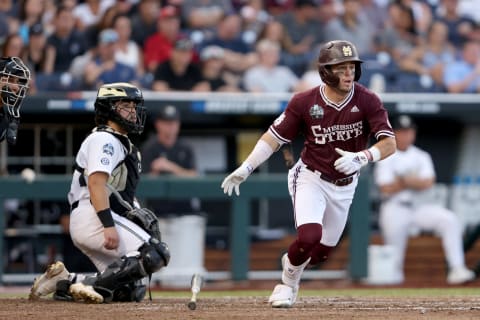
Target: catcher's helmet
[
  {"x": 14, "y": 80},
  {"x": 105, "y": 109},
  {"x": 335, "y": 52}
]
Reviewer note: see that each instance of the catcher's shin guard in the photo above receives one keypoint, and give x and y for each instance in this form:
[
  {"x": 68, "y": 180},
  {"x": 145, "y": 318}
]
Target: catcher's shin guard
[
  {"x": 151, "y": 257},
  {"x": 134, "y": 291}
]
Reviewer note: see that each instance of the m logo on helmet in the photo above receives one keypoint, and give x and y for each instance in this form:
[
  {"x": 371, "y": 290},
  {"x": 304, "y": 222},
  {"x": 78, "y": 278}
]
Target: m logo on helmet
[{"x": 347, "y": 51}]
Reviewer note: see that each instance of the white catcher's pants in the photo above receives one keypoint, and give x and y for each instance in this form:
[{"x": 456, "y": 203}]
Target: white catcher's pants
[{"x": 86, "y": 231}]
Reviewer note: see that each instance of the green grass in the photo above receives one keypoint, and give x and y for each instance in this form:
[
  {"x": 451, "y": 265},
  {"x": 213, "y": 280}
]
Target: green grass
[
  {"x": 369, "y": 292},
  {"x": 361, "y": 292}
]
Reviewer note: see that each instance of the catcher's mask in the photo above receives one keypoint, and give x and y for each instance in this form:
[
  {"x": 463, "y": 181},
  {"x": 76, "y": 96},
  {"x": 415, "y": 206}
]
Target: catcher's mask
[
  {"x": 14, "y": 80},
  {"x": 106, "y": 109},
  {"x": 335, "y": 52}
]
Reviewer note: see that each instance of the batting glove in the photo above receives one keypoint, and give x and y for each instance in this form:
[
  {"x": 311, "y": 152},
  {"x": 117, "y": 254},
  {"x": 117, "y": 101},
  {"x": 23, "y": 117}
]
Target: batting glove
[
  {"x": 350, "y": 162},
  {"x": 235, "y": 178}
]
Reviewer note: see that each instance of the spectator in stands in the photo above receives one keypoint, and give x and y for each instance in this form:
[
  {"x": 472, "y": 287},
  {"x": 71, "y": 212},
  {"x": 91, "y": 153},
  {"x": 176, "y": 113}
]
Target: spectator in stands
[
  {"x": 128, "y": 52},
  {"x": 303, "y": 32},
  {"x": 429, "y": 59},
  {"x": 158, "y": 46},
  {"x": 239, "y": 55},
  {"x": 64, "y": 44},
  {"x": 401, "y": 178},
  {"x": 179, "y": 73},
  {"x": 34, "y": 53},
  {"x": 164, "y": 154},
  {"x": 89, "y": 12},
  {"x": 278, "y": 7},
  {"x": 463, "y": 75},
  {"x": 254, "y": 17},
  {"x": 205, "y": 15},
  {"x": 92, "y": 31},
  {"x": 375, "y": 12},
  {"x": 144, "y": 20},
  {"x": 268, "y": 75},
  {"x": 10, "y": 10},
  {"x": 400, "y": 36},
  {"x": 104, "y": 68},
  {"x": 213, "y": 70},
  {"x": 31, "y": 12},
  {"x": 460, "y": 27},
  {"x": 273, "y": 30},
  {"x": 352, "y": 26},
  {"x": 13, "y": 46},
  {"x": 422, "y": 14}
]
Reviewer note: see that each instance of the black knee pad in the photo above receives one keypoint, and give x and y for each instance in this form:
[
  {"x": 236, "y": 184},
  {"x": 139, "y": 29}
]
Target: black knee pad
[{"x": 155, "y": 255}]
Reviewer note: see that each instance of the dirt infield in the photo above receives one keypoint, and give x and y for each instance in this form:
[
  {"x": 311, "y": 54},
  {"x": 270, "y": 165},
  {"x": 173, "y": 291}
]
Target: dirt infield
[{"x": 255, "y": 307}]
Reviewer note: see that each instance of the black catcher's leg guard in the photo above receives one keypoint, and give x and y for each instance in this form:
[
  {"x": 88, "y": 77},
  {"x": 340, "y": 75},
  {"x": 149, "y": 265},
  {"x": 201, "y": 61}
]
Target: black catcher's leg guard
[
  {"x": 134, "y": 291},
  {"x": 125, "y": 273}
]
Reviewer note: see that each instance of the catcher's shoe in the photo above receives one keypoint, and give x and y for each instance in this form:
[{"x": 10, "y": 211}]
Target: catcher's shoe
[
  {"x": 85, "y": 293},
  {"x": 47, "y": 282},
  {"x": 62, "y": 292},
  {"x": 283, "y": 296}
]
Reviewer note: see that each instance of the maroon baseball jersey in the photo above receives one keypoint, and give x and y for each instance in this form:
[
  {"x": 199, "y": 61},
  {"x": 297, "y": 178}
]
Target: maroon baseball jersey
[{"x": 326, "y": 125}]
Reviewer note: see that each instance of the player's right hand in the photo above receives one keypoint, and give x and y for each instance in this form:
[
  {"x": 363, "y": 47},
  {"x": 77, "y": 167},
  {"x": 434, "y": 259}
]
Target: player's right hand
[
  {"x": 234, "y": 179},
  {"x": 111, "y": 238}
]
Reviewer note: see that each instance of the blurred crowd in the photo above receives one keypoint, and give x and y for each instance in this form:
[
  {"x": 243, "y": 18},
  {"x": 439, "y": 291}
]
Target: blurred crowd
[{"x": 242, "y": 45}]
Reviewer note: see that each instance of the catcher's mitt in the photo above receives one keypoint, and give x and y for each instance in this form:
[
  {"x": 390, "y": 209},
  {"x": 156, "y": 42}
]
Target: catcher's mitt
[{"x": 146, "y": 219}]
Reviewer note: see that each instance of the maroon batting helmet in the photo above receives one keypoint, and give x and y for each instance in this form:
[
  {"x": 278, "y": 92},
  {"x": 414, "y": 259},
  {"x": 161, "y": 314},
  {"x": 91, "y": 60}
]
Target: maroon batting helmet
[{"x": 335, "y": 52}]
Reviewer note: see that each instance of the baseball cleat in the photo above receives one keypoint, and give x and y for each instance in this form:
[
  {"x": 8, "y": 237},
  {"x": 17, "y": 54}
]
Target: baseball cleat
[
  {"x": 283, "y": 296},
  {"x": 460, "y": 275},
  {"x": 47, "y": 282},
  {"x": 85, "y": 293}
]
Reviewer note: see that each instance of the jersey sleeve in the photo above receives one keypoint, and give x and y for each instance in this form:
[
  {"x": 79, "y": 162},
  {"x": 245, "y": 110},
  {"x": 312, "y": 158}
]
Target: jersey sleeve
[
  {"x": 104, "y": 152},
  {"x": 287, "y": 125},
  {"x": 378, "y": 118}
]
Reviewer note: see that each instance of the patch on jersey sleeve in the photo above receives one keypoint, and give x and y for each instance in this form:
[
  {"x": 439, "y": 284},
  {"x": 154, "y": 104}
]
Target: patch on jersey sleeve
[
  {"x": 279, "y": 119},
  {"x": 108, "y": 149},
  {"x": 105, "y": 161}
]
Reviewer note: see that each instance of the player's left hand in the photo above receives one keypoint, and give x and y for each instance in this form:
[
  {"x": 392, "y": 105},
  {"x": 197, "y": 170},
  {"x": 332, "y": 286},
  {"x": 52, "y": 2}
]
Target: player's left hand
[
  {"x": 350, "y": 162},
  {"x": 234, "y": 179}
]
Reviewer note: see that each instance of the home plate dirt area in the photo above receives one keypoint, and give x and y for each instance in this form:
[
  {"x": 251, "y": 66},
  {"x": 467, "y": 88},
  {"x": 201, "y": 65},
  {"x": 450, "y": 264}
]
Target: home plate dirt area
[{"x": 229, "y": 308}]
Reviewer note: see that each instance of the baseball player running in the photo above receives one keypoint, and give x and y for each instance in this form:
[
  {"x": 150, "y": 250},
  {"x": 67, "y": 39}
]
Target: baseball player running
[
  {"x": 14, "y": 81},
  {"x": 336, "y": 120},
  {"x": 106, "y": 222}
]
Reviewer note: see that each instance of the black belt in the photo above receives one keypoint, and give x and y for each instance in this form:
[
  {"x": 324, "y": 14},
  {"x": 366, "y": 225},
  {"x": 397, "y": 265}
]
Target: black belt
[{"x": 338, "y": 182}]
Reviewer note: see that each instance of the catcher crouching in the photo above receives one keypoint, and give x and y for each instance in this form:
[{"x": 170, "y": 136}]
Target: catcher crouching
[{"x": 107, "y": 223}]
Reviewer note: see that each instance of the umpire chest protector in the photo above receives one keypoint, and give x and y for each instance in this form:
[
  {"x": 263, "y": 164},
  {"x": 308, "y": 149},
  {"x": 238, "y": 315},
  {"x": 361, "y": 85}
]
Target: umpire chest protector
[{"x": 125, "y": 176}]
